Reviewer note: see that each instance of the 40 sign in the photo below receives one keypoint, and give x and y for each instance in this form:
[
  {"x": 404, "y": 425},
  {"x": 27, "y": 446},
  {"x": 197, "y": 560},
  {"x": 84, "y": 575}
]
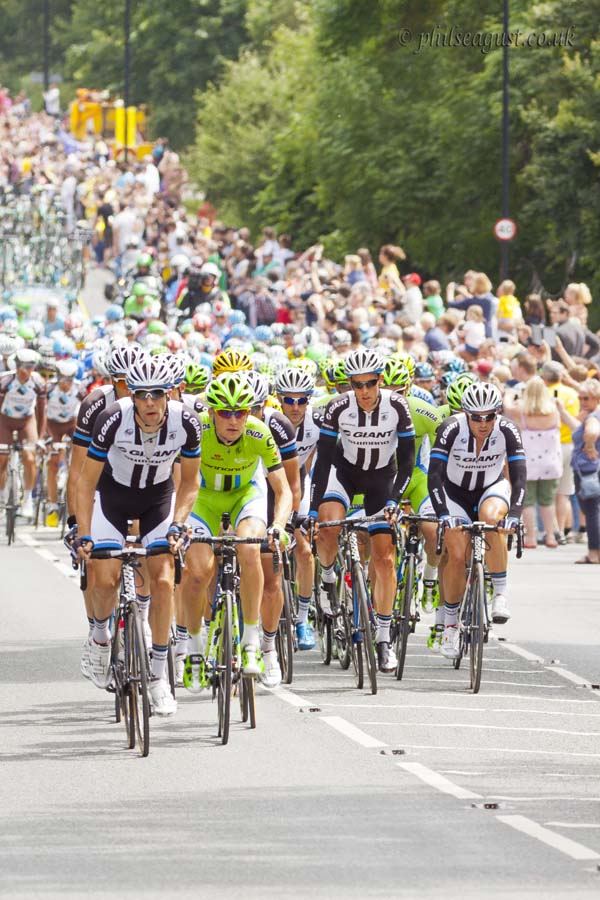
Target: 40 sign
[{"x": 505, "y": 229}]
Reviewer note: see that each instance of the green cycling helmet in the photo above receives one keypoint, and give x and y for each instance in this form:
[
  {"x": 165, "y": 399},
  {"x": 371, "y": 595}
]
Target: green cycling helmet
[
  {"x": 159, "y": 350},
  {"x": 307, "y": 365},
  {"x": 407, "y": 359},
  {"x": 157, "y": 327},
  {"x": 339, "y": 373},
  {"x": 197, "y": 377},
  {"x": 144, "y": 261},
  {"x": 457, "y": 389},
  {"x": 230, "y": 391},
  {"x": 140, "y": 289},
  {"x": 396, "y": 374},
  {"x": 26, "y": 332}
]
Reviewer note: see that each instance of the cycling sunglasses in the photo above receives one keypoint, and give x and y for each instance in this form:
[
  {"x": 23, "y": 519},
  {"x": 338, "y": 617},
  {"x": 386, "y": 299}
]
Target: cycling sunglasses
[
  {"x": 154, "y": 394},
  {"x": 475, "y": 417},
  {"x": 295, "y": 401},
  {"x": 232, "y": 413},
  {"x": 364, "y": 385}
]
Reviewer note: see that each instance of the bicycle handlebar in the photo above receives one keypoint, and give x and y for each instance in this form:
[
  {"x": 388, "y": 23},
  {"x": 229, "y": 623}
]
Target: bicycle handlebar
[
  {"x": 481, "y": 528},
  {"x": 125, "y": 554}
]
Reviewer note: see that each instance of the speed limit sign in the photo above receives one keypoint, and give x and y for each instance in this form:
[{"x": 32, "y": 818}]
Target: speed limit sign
[{"x": 505, "y": 229}]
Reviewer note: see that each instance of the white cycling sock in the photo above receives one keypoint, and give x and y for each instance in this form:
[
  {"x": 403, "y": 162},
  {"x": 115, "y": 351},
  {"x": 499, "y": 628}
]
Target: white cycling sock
[
  {"x": 328, "y": 574},
  {"x": 499, "y": 582},
  {"x": 27, "y": 494},
  {"x": 250, "y": 635},
  {"x": 383, "y": 628},
  {"x": 268, "y": 640},
  {"x": 144, "y": 605},
  {"x": 181, "y": 640},
  {"x": 101, "y": 633},
  {"x": 451, "y": 615},
  {"x": 303, "y": 607},
  {"x": 440, "y": 613},
  {"x": 159, "y": 660},
  {"x": 430, "y": 573}
]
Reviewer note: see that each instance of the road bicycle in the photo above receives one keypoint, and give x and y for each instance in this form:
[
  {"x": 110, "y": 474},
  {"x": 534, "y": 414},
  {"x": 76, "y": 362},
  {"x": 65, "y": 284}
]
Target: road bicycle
[
  {"x": 14, "y": 484},
  {"x": 286, "y": 642},
  {"x": 474, "y": 622},
  {"x": 352, "y": 608},
  {"x": 221, "y": 668},
  {"x": 407, "y": 602},
  {"x": 129, "y": 658}
]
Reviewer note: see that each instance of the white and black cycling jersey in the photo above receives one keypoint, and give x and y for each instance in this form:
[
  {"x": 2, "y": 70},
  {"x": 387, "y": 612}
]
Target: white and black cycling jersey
[
  {"x": 62, "y": 405},
  {"x": 137, "y": 459},
  {"x": 307, "y": 433},
  {"x": 193, "y": 401},
  {"x": 380, "y": 441},
  {"x": 455, "y": 465},
  {"x": 95, "y": 403},
  {"x": 367, "y": 440}
]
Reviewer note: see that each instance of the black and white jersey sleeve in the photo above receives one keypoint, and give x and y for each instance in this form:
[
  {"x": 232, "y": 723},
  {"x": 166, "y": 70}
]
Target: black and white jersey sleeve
[
  {"x": 284, "y": 433},
  {"x": 137, "y": 459},
  {"x": 91, "y": 407}
]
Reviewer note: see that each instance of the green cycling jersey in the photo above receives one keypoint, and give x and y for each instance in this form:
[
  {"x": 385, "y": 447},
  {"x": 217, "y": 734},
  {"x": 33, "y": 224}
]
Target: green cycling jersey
[{"x": 228, "y": 467}]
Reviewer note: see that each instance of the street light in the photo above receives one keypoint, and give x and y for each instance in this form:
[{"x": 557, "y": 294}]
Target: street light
[
  {"x": 505, "y": 124},
  {"x": 126, "y": 64}
]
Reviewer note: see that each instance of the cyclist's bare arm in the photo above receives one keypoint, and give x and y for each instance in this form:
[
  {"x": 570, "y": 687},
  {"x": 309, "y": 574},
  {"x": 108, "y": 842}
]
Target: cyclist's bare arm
[
  {"x": 283, "y": 495},
  {"x": 86, "y": 487},
  {"x": 292, "y": 473},
  {"x": 188, "y": 488}
]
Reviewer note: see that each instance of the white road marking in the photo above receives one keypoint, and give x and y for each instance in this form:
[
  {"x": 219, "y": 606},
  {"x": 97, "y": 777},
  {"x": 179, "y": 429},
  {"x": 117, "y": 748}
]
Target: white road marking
[
  {"x": 437, "y": 781},
  {"x": 475, "y": 709},
  {"x": 352, "y": 732},
  {"x": 570, "y": 676},
  {"x": 481, "y": 727},
  {"x": 520, "y": 651},
  {"x": 291, "y": 698},
  {"x": 437, "y": 747},
  {"x": 557, "y": 841},
  {"x": 476, "y": 699},
  {"x": 47, "y": 555},
  {"x": 574, "y": 824},
  {"x": 487, "y": 669},
  {"x": 544, "y": 687}
]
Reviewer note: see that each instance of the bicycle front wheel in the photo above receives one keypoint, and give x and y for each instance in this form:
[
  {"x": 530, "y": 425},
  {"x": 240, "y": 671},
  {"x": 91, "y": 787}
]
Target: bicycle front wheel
[
  {"x": 10, "y": 509},
  {"x": 477, "y": 626},
  {"x": 224, "y": 668},
  {"x": 248, "y": 700},
  {"x": 284, "y": 640},
  {"x": 404, "y": 625},
  {"x": 359, "y": 585},
  {"x": 136, "y": 661}
]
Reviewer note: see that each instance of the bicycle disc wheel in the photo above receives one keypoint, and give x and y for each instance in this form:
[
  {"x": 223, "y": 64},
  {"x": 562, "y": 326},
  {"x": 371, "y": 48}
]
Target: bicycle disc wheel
[
  {"x": 477, "y": 629},
  {"x": 224, "y": 669},
  {"x": 404, "y": 625},
  {"x": 136, "y": 662},
  {"x": 359, "y": 585}
]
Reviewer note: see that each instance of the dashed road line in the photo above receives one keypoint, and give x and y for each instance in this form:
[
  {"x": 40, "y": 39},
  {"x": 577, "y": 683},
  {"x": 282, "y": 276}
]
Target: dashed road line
[
  {"x": 437, "y": 781},
  {"x": 351, "y": 731},
  {"x": 481, "y": 727},
  {"x": 570, "y": 848}
]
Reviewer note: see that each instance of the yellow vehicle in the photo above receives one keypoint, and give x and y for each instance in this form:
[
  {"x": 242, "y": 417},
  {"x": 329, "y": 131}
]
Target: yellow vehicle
[{"x": 94, "y": 113}]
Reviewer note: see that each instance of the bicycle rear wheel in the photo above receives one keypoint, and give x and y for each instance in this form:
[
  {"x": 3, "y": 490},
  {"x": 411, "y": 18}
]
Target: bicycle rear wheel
[
  {"x": 404, "y": 625},
  {"x": 284, "y": 640},
  {"x": 224, "y": 668},
  {"x": 477, "y": 629},
  {"x": 40, "y": 496},
  {"x": 248, "y": 700},
  {"x": 10, "y": 510},
  {"x": 359, "y": 585},
  {"x": 136, "y": 662}
]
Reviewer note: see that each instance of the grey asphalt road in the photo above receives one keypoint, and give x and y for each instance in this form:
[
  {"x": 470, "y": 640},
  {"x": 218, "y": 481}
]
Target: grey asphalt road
[{"x": 421, "y": 790}]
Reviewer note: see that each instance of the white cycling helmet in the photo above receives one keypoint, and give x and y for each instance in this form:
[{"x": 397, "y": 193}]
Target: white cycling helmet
[
  {"x": 481, "y": 397},
  {"x": 294, "y": 380},
  {"x": 27, "y": 357},
  {"x": 121, "y": 358},
  {"x": 259, "y": 385},
  {"x": 149, "y": 372},
  {"x": 178, "y": 365},
  {"x": 363, "y": 362},
  {"x": 210, "y": 268},
  {"x": 99, "y": 363},
  {"x": 8, "y": 344},
  {"x": 67, "y": 368}
]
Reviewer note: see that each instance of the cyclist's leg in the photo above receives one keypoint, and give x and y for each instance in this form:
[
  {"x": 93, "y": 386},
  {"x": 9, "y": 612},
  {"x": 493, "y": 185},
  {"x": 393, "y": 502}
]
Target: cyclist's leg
[
  {"x": 493, "y": 506},
  {"x": 456, "y": 544},
  {"x": 197, "y": 583},
  {"x": 305, "y": 575}
]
